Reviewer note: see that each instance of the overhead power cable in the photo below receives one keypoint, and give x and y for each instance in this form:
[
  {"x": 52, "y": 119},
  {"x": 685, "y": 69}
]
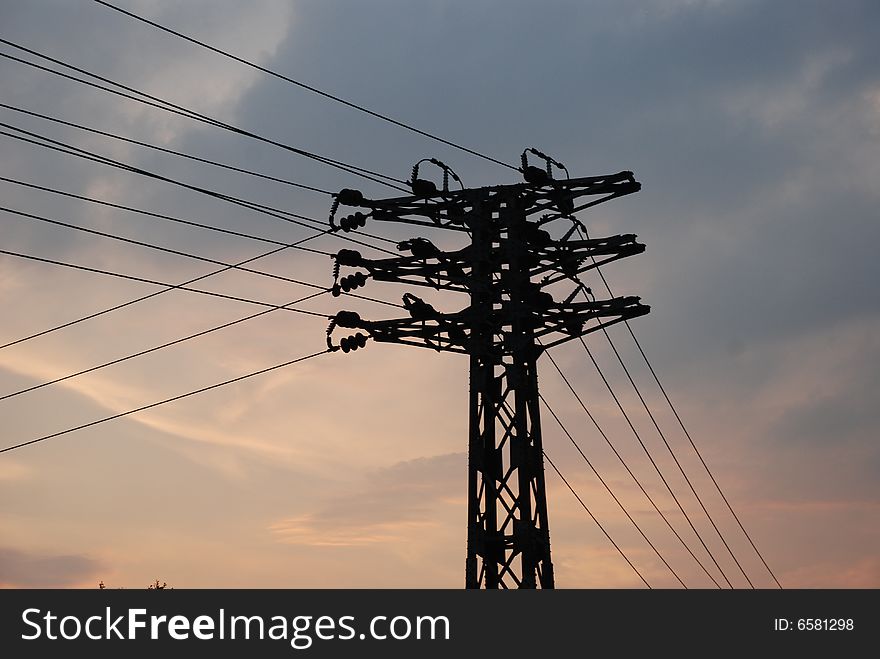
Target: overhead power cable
[
  {"x": 307, "y": 87},
  {"x": 286, "y": 216},
  {"x": 162, "y": 346},
  {"x": 140, "y": 243},
  {"x": 161, "y": 149},
  {"x": 146, "y": 213},
  {"x": 671, "y": 452},
  {"x": 654, "y": 463},
  {"x": 703, "y": 462},
  {"x": 161, "y": 402},
  {"x": 154, "y": 101},
  {"x": 608, "y": 489},
  {"x": 630, "y": 471},
  {"x": 590, "y": 513},
  {"x": 684, "y": 429},
  {"x": 145, "y": 280},
  {"x": 142, "y": 298}
]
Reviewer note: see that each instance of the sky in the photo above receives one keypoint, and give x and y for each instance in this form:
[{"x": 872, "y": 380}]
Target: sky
[{"x": 754, "y": 128}]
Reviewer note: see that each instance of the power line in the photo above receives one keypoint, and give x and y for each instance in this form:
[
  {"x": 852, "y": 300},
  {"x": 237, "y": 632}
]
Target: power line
[
  {"x": 630, "y": 471},
  {"x": 62, "y": 147},
  {"x": 286, "y": 216},
  {"x": 672, "y": 453},
  {"x": 161, "y": 402},
  {"x": 699, "y": 455},
  {"x": 179, "y": 110},
  {"x": 161, "y": 216},
  {"x": 150, "y": 295},
  {"x": 308, "y": 87},
  {"x": 362, "y": 172},
  {"x": 654, "y": 463},
  {"x": 142, "y": 298},
  {"x": 687, "y": 434},
  {"x": 145, "y": 280},
  {"x": 176, "y": 252},
  {"x": 281, "y": 248},
  {"x": 608, "y": 489},
  {"x": 180, "y": 154},
  {"x": 157, "y": 348},
  {"x": 589, "y": 512}
]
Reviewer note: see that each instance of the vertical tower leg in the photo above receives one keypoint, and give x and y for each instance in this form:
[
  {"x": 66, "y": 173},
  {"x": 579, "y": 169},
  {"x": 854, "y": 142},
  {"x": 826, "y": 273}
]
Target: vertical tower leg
[{"x": 508, "y": 537}]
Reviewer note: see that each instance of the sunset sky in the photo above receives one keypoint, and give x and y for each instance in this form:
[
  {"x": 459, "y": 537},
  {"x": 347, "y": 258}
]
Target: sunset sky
[{"x": 754, "y": 128}]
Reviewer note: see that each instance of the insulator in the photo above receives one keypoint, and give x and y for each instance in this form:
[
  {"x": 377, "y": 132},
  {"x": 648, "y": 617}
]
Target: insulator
[
  {"x": 349, "y": 257},
  {"x": 536, "y": 236},
  {"x": 423, "y": 188},
  {"x": 336, "y": 271},
  {"x": 352, "y": 282},
  {"x": 535, "y": 175},
  {"x": 573, "y": 326},
  {"x": 457, "y": 334},
  {"x": 531, "y": 174},
  {"x": 418, "y": 308},
  {"x": 353, "y": 222},
  {"x": 454, "y": 215},
  {"x": 351, "y": 343},
  {"x": 570, "y": 265},
  {"x": 536, "y": 297},
  {"x": 350, "y": 319},
  {"x": 333, "y": 208},
  {"x": 350, "y": 197},
  {"x": 419, "y": 247},
  {"x": 563, "y": 200}
]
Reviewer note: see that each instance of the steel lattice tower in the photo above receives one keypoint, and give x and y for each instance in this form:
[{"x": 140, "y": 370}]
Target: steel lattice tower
[{"x": 508, "y": 323}]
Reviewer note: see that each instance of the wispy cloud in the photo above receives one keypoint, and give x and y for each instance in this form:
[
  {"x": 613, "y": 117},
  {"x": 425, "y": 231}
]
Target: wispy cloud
[
  {"x": 20, "y": 569},
  {"x": 394, "y": 503}
]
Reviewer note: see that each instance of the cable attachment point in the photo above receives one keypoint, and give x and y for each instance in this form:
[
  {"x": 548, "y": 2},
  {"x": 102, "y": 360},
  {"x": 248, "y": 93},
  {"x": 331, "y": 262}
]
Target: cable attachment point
[
  {"x": 351, "y": 258},
  {"x": 347, "y": 197},
  {"x": 348, "y": 320},
  {"x": 536, "y": 175},
  {"x": 354, "y": 342},
  {"x": 419, "y": 247},
  {"x": 424, "y": 188},
  {"x": 352, "y": 222},
  {"x": 349, "y": 283},
  {"x": 418, "y": 308}
]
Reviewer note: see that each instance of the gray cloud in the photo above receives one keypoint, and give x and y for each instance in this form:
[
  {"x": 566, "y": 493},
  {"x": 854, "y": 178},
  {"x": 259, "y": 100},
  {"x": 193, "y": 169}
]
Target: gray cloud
[
  {"x": 21, "y": 569},
  {"x": 392, "y": 499}
]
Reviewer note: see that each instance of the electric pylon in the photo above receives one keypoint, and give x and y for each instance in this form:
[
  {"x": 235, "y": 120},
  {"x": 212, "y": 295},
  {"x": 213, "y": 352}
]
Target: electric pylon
[{"x": 508, "y": 262}]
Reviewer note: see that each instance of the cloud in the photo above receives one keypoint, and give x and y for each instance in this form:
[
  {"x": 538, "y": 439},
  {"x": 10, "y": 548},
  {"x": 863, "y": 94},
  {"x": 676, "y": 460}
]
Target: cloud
[
  {"x": 863, "y": 573},
  {"x": 20, "y": 569},
  {"x": 11, "y": 470},
  {"x": 395, "y": 503}
]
